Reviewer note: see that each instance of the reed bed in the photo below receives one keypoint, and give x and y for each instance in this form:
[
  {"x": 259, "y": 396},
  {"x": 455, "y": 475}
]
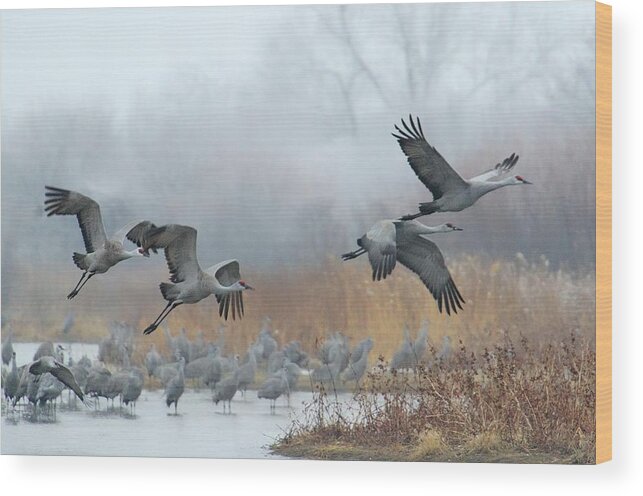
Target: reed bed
[
  {"x": 520, "y": 385},
  {"x": 506, "y": 403},
  {"x": 503, "y": 298}
]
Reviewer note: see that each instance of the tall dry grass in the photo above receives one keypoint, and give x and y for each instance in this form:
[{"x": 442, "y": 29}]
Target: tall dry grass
[
  {"x": 508, "y": 399},
  {"x": 493, "y": 395},
  {"x": 503, "y": 298}
]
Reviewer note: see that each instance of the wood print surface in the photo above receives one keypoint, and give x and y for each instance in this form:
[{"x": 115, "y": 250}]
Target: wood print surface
[{"x": 346, "y": 231}]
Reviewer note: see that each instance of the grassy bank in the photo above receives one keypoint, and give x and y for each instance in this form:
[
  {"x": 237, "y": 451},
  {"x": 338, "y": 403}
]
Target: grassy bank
[
  {"x": 509, "y": 403},
  {"x": 316, "y": 448}
]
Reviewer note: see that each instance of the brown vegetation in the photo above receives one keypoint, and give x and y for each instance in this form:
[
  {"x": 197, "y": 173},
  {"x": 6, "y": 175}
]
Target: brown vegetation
[
  {"x": 506, "y": 403},
  {"x": 305, "y": 303},
  {"x": 494, "y": 400}
]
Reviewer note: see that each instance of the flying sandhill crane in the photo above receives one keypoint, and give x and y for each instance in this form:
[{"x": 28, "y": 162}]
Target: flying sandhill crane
[
  {"x": 389, "y": 241},
  {"x": 102, "y": 252},
  {"x": 191, "y": 284},
  {"x": 451, "y": 193}
]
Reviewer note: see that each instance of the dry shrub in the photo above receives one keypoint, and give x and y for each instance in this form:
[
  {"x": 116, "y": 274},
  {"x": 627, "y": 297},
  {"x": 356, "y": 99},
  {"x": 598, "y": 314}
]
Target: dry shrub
[
  {"x": 486, "y": 442},
  {"x": 429, "y": 443},
  {"x": 503, "y": 398}
]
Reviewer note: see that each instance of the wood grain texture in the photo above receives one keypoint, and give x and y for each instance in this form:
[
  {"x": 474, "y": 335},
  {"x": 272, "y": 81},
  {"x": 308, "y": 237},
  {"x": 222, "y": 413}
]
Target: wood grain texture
[{"x": 603, "y": 232}]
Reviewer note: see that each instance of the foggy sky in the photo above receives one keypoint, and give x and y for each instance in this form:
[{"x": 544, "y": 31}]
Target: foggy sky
[{"x": 268, "y": 128}]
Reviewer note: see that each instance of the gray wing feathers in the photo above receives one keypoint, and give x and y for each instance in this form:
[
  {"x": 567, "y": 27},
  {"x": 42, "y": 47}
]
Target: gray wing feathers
[
  {"x": 500, "y": 169},
  {"x": 227, "y": 273},
  {"x": 64, "y": 202},
  {"x": 138, "y": 233},
  {"x": 179, "y": 243},
  {"x": 231, "y": 303},
  {"x": 425, "y": 259},
  {"x": 507, "y": 164},
  {"x": 427, "y": 163},
  {"x": 64, "y": 375},
  {"x": 380, "y": 243},
  {"x": 122, "y": 233}
]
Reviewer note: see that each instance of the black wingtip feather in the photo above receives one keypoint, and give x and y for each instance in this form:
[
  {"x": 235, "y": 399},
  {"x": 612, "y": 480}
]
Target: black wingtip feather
[
  {"x": 413, "y": 126},
  {"x": 407, "y": 128},
  {"x": 459, "y": 300},
  {"x": 420, "y": 128},
  {"x": 451, "y": 300},
  {"x": 447, "y": 307},
  {"x": 403, "y": 136},
  {"x": 413, "y": 130}
]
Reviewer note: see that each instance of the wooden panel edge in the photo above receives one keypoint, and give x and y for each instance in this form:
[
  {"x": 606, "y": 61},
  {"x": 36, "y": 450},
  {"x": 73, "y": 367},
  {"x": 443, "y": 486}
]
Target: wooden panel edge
[{"x": 603, "y": 232}]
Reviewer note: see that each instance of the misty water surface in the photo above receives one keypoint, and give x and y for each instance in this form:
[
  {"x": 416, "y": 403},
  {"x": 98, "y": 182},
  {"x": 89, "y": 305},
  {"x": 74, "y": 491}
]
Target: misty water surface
[{"x": 200, "y": 429}]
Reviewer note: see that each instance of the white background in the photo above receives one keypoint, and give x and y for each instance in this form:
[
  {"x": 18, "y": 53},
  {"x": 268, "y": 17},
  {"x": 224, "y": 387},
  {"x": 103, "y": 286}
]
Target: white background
[{"x": 98, "y": 476}]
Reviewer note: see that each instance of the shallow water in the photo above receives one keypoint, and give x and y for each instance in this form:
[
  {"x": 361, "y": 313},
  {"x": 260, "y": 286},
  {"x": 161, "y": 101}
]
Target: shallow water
[{"x": 199, "y": 430}]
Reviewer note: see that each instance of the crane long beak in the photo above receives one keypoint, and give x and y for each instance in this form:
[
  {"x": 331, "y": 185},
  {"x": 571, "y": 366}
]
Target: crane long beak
[
  {"x": 524, "y": 181},
  {"x": 455, "y": 228},
  {"x": 247, "y": 286}
]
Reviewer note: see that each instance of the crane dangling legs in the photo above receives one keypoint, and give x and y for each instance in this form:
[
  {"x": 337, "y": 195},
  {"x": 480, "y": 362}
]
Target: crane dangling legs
[
  {"x": 171, "y": 305},
  {"x": 190, "y": 283},
  {"x": 102, "y": 252}
]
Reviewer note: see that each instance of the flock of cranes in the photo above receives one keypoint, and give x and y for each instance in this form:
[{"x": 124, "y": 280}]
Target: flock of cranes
[
  {"x": 389, "y": 241},
  {"x": 403, "y": 240},
  {"x": 191, "y": 284},
  {"x": 41, "y": 380},
  {"x": 272, "y": 370}
]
